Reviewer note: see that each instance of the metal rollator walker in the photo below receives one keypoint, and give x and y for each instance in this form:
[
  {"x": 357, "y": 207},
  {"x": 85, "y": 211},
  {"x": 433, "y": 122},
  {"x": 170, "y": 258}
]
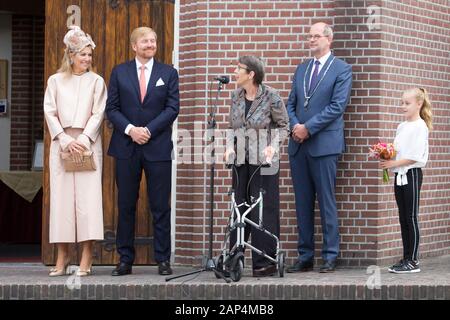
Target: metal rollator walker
[{"x": 230, "y": 263}]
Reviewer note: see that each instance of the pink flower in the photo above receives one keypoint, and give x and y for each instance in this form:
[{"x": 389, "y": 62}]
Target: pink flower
[{"x": 385, "y": 151}]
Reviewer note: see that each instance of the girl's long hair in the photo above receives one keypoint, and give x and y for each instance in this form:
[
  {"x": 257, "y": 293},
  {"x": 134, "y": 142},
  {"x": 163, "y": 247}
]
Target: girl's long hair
[{"x": 425, "y": 111}]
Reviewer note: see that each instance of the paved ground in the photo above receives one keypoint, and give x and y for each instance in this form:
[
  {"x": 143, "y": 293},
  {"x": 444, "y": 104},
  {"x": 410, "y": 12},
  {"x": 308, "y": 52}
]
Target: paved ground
[{"x": 30, "y": 281}]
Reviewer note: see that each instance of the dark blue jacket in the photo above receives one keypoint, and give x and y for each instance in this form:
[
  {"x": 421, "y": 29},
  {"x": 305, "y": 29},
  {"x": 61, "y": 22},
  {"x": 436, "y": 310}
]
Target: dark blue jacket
[
  {"x": 324, "y": 115},
  {"x": 157, "y": 112}
]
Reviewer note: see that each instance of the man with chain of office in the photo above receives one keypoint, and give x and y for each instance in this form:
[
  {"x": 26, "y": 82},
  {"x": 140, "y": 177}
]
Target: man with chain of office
[{"x": 320, "y": 92}]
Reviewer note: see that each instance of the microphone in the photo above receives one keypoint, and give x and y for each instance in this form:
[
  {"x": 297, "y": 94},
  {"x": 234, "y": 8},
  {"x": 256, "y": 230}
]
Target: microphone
[{"x": 223, "y": 79}]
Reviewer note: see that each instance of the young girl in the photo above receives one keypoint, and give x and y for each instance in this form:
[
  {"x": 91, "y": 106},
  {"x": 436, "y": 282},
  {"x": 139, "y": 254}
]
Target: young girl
[{"x": 411, "y": 144}]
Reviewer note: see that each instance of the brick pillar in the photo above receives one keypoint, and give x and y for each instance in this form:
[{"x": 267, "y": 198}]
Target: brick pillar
[
  {"x": 402, "y": 47},
  {"x": 415, "y": 53}
]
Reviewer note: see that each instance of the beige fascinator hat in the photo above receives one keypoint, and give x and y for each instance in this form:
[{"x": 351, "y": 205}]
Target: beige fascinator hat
[{"x": 76, "y": 40}]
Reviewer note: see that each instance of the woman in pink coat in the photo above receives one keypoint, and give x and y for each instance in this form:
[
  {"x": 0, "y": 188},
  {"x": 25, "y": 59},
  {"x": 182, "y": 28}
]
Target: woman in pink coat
[{"x": 74, "y": 107}]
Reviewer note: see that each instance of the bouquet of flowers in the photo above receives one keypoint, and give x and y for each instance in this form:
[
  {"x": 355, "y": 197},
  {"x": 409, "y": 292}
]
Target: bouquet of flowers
[{"x": 385, "y": 151}]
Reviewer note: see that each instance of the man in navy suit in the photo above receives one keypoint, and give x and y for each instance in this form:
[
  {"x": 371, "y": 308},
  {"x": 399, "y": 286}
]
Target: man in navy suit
[
  {"x": 143, "y": 102},
  {"x": 320, "y": 92}
]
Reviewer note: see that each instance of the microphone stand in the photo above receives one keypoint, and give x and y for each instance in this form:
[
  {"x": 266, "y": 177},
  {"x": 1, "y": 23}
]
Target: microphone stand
[{"x": 210, "y": 265}]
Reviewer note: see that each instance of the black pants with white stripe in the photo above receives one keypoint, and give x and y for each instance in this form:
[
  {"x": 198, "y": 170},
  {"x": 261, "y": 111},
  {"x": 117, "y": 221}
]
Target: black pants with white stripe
[{"x": 407, "y": 198}]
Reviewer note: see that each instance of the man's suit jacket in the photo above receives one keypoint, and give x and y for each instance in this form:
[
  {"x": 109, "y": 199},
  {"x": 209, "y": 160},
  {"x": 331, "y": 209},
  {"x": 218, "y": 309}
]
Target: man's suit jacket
[
  {"x": 157, "y": 112},
  {"x": 324, "y": 115}
]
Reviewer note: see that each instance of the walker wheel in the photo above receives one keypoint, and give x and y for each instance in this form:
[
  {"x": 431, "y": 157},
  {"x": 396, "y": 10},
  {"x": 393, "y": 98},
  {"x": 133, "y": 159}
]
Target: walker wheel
[
  {"x": 237, "y": 268},
  {"x": 219, "y": 266},
  {"x": 281, "y": 264}
]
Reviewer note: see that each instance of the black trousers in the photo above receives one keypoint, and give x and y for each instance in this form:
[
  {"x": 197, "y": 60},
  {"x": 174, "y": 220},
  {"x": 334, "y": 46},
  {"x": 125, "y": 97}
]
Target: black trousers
[
  {"x": 408, "y": 197},
  {"x": 128, "y": 179},
  {"x": 271, "y": 210}
]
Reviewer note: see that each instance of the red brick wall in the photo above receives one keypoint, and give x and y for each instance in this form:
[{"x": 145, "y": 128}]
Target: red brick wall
[
  {"x": 415, "y": 51},
  {"x": 21, "y": 89},
  {"x": 385, "y": 60}
]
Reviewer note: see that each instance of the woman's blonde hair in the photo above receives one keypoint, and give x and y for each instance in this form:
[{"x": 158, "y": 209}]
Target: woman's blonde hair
[
  {"x": 66, "y": 62},
  {"x": 66, "y": 65},
  {"x": 425, "y": 111},
  {"x": 75, "y": 40}
]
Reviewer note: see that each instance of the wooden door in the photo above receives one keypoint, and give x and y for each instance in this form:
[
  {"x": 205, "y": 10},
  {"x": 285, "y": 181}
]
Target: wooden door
[{"x": 109, "y": 22}]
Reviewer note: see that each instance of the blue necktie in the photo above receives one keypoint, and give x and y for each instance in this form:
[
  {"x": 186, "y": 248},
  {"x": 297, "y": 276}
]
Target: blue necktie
[{"x": 315, "y": 77}]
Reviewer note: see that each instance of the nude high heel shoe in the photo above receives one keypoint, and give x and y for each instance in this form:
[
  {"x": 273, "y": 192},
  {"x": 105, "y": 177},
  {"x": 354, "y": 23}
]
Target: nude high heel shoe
[
  {"x": 84, "y": 273},
  {"x": 56, "y": 273}
]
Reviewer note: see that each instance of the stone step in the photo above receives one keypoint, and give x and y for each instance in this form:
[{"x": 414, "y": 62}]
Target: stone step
[
  {"x": 31, "y": 281},
  {"x": 221, "y": 291}
]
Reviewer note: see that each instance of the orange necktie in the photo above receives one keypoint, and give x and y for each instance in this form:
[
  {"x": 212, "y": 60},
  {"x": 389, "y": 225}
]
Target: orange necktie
[{"x": 142, "y": 83}]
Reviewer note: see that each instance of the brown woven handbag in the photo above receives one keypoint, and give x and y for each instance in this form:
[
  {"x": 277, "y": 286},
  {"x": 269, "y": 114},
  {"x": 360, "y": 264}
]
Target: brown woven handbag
[{"x": 87, "y": 163}]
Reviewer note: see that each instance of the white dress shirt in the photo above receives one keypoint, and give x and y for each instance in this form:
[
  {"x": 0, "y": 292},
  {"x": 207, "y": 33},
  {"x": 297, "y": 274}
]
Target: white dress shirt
[
  {"x": 148, "y": 72},
  {"x": 322, "y": 61}
]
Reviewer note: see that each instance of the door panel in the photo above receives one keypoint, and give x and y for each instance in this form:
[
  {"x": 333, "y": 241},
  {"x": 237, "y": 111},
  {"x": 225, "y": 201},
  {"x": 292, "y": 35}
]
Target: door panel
[{"x": 109, "y": 22}]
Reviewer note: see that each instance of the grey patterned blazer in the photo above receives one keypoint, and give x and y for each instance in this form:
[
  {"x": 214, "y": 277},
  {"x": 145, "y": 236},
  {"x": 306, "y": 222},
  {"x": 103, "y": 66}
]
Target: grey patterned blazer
[{"x": 267, "y": 123}]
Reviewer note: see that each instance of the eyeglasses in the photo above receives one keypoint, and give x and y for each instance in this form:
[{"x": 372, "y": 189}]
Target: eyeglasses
[
  {"x": 315, "y": 36},
  {"x": 244, "y": 68}
]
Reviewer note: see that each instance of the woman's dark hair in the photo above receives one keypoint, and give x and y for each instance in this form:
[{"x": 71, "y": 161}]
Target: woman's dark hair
[{"x": 256, "y": 65}]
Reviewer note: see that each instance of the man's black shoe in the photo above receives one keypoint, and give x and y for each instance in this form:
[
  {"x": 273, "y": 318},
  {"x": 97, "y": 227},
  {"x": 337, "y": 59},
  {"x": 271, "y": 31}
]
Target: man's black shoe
[
  {"x": 301, "y": 266},
  {"x": 164, "y": 268},
  {"x": 328, "y": 266},
  {"x": 122, "y": 269}
]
